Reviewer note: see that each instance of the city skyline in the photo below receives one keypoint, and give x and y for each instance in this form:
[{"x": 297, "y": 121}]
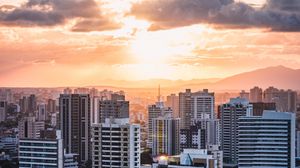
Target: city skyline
[{"x": 123, "y": 40}]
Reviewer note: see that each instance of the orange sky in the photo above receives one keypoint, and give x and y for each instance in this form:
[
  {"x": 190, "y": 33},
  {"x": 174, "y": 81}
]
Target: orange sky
[{"x": 122, "y": 40}]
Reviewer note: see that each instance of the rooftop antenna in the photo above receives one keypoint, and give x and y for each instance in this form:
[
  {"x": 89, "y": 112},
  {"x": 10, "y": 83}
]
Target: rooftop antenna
[
  {"x": 159, "y": 97},
  {"x": 160, "y": 102}
]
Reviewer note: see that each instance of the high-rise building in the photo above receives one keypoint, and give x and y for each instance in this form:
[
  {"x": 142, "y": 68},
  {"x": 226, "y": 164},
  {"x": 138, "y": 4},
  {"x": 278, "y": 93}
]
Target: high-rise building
[
  {"x": 112, "y": 108},
  {"x": 285, "y": 100},
  {"x": 259, "y": 107},
  {"x": 230, "y": 113},
  {"x": 28, "y": 104},
  {"x": 267, "y": 140},
  {"x": 245, "y": 95},
  {"x": 117, "y": 97},
  {"x": 203, "y": 104},
  {"x": 192, "y": 138},
  {"x": 67, "y": 91},
  {"x": 193, "y": 106},
  {"x": 30, "y": 128},
  {"x": 75, "y": 124},
  {"x": 212, "y": 130},
  {"x": 155, "y": 111},
  {"x": 173, "y": 102},
  {"x": 6, "y": 95},
  {"x": 51, "y": 106},
  {"x": 41, "y": 152},
  {"x": 3, "y": 110},
  {"x": 32, "y": 103},
  {"x": 166, "y": 133},
  {"x": 94, "y": 92},
  {"x": 201, "y": 134},
  {"x": 256, "y": 94},
  {"x": 42, "y": 112},
  {"x": 116, "y": 143},
  {"x": 185, "y": 108}
]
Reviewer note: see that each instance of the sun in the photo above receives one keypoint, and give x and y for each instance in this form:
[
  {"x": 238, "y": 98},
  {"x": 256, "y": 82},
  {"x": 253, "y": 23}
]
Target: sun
[{"x": 149, "y": 49}]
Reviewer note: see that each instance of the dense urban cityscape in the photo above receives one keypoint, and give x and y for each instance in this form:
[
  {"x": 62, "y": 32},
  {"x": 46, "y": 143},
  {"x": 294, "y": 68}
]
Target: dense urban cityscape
[
  {"x": 149, "y": 84},
  {"x": 87, "y": 127}
]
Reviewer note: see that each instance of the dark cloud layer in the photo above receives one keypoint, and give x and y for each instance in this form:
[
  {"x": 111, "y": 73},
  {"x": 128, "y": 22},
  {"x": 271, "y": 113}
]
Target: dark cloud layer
[
  {"x": 278, "y": 15},
  {"x": 55, "y": 12}
]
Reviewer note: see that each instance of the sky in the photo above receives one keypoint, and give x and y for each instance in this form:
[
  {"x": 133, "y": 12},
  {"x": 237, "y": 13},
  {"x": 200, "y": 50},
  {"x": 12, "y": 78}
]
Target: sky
[{"x": 92, "y": 42}]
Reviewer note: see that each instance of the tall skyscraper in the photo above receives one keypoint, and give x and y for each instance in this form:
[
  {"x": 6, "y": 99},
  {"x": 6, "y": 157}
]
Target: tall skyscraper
[
  {"x": 30, "y": 128},
  {"x": 155, "y": 111},
  {"x": 3, "y": 110},
  {"x": 245, "y": 95},
  {"x": 286, "y": 100},
  {"x": 165, "y": 136},
  {"x": 6, "y": 95},
  {"x": 267, "y": 140},
  {"x": 203, "y": 104},
  {"x": 116, "y": 143},
  {"x": 193, "y": 106},
  {"x": 112, "y": 108},
  {"x": 42, "y": 112},
  {"x": 185, "y": 108},
  {"x": 256, "y": 94},
  {"x": 32, "y": 103},
  {"x": 51, "y": 106},
  {"x": 28, "y": 104},
  {"x": 173, "y": 102},
  {"x": 259, "y": 107},
  {"x": 46, "y": 152},
  {"x": 230, "y": 113},
  {"x": 75, "y": 124}
]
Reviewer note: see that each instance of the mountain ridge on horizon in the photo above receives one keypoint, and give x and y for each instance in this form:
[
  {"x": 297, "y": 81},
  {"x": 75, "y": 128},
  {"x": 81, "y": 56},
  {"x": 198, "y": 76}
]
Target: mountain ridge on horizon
[{"x": 277, "y": 76}]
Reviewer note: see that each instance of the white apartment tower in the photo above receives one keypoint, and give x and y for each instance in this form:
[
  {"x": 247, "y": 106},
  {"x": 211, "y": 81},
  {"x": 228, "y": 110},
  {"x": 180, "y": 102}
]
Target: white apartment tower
[
  {"x": 267, "y": 140},
  {"x": 203, "y": 104},
  {"x": 116, "y": 143},
  {"x": 41, "y": 152}
]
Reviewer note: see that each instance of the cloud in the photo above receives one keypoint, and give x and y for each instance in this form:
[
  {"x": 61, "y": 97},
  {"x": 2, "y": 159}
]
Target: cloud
[
  {"x": 277, "y": 15},
  {"x": 88, "y": 25},
  {"x": 55, "y": 12}
]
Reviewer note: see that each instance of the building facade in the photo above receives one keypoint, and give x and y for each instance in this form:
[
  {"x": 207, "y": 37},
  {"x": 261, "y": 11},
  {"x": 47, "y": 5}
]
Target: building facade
[
  {"x": 173, "y": 102},
  {"x": 203, "y": 104},
  {"x": 41, "y": 152},
  {"x": 230, "y": 113},
  {"x": 256, "y": 95},
  {"x": 3, "y": 110},
  {"x": 116, "y": 143},
  {"x": 30, "y": 128},
  {"x": 75, "y": 124},
  {"x": 267, "y": 140},
  {"x": 112, "y": 108},
  {"x": 165, "y": 136}
]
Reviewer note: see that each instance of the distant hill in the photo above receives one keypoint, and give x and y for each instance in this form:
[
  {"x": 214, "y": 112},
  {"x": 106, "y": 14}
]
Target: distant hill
[{"x": 278, "y": 76}]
